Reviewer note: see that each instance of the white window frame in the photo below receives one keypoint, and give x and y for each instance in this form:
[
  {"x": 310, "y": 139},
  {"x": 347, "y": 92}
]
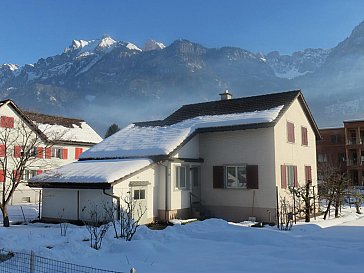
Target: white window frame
[
  {"x": 178, "y": 170},
  {"x": 57, "y": 152},
  {"x": 244, "y": 184}
]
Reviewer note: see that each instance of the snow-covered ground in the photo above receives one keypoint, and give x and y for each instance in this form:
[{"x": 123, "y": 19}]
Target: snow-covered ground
[{"x": 335, "y": 245}]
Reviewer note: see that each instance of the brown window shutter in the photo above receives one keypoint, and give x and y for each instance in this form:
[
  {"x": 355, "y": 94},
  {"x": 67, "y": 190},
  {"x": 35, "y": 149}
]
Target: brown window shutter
[
  {"x": 218, "y": 177},
  {"x": 283, "y": 177},
  {"x": 308, "y": 173},
  {"x": 304, "y": 136},
  {"x": 252, "y": 176},
  {"x": 64, "y": 153},
  {"x": 295, "y": 177},
  {"x": 290, "y": 132}
]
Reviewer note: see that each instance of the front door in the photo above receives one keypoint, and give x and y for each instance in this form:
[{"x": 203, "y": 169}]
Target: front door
[
  {"x": 140, "y": 204},
  {"x": 195, "y": 182}
]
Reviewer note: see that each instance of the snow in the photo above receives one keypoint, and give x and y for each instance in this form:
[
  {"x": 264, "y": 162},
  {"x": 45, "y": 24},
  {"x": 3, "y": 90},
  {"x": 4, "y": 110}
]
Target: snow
[
  {"x": 290, "y": 74},
  {"x": 133, "y": 47},
  {"x": 148, "y": 141},
  {"x": 93, "y": 171},
  {"x": 82, "y": 133},
  {"x": 207, "y": 246}
]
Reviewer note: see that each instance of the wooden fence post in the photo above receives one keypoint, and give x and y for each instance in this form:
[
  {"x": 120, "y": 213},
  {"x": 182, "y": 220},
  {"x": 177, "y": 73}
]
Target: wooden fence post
[{"x": 32, "y": 262}]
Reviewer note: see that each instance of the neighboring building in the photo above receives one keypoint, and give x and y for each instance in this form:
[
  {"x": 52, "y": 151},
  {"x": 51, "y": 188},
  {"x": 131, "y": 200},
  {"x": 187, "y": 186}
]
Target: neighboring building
[
  {"x": 232, "y": 159},
  {"x": 63, "y": 140},
  {"x": 344, "y": 148}
]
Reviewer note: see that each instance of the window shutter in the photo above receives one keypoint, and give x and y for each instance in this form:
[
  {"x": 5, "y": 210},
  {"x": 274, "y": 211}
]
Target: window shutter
[
  {"x": 308, "y": 173},
  {"x": 290, "y": 132},
  {"x": 39, "y": 172},
  {"x": 2, "y": 176},
  {"x": 7, "y": 122},
  {"x": 17, "y": 151},
  {"x": 252, "y": 176},
  {"x": 2, "y": 150},
  {"x": 16, "y": 175},
  {"x": 304, "y": 136},
  {"x": 64, "y": 153},
  {"x": 40, "y": 152},
  {"x": 218, "y": 177},
  {"x": 48, "y": 152},
  {"x": 78, "y": 152},
  {"x": 283, "y": 177},
  {"x": 295, "y": 182}
]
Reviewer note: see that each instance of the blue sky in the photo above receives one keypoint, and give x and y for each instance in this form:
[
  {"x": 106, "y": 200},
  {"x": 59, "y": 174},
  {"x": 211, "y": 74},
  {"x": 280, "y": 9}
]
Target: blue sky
[{"x": 38, "y": 28}]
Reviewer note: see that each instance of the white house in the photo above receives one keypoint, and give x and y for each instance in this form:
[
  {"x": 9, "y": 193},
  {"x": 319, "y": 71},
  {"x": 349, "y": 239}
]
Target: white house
[
  {"x": 62, "y": 142},
  {"x": 230, "y": 158}
]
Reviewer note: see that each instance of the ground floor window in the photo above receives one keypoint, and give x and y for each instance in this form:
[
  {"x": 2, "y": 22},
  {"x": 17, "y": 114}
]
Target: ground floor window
[
  {"x": 181, "y": 177},
  {"x": 236, "y": 176},
  {"x": 139, "y": 194}
]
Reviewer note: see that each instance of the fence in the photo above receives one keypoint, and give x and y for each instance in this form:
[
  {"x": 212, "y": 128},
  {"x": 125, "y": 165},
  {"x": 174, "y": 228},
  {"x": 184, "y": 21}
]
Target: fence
[{"x": 15, "y": 262}]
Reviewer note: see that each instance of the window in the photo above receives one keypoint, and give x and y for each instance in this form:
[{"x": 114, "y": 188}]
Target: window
[
  {"x": 304, "y": 136},
  {"x": 335, "y": 139},
  {"x": 34, "y": 152},
  {"x": 181, "y": 176},
  {"x": 60, "y": 153},
  {"x": 290, "y": 132},
  {"x": 139, "y": 194},
  {"x": 288, "y": 176},
  {"x": 322, "y": 157},
  {"x": 236, "y": 176}
]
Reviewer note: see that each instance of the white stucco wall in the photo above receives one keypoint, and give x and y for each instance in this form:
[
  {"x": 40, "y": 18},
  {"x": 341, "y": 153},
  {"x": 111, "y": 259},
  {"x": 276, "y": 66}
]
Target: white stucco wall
[
  {"x": 23, "y": 192},
  {"x": 252, "y": 147},
  {"x": 294, "y": 153}
]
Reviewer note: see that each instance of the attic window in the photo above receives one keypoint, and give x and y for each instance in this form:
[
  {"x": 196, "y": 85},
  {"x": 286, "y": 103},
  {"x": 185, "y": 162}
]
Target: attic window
[{"x": 6, "y": 122}]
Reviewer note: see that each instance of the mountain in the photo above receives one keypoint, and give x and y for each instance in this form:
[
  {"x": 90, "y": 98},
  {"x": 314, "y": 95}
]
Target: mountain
[{"x": 121, "y": 82}]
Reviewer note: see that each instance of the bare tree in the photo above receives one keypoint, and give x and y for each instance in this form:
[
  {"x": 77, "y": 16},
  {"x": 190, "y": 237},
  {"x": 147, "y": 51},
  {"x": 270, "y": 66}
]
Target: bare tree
[
  {"x": 97, "y": 225},
  {"x": 22, "y": 145},
  {"x": 334, "y": 187},
  {"x": 304, "y": 194},
  {"x": 285, "y": 214},
  {"x": 128, "y": 217}
]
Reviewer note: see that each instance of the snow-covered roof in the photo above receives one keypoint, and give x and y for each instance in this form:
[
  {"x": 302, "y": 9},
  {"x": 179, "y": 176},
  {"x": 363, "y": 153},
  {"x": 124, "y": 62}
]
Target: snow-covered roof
[
  {"x": 92, "y": 171},
  {"x": 144, "y": 141},
  {"x": 78, "y": 133},
  {"x": 64, "y": 129}
]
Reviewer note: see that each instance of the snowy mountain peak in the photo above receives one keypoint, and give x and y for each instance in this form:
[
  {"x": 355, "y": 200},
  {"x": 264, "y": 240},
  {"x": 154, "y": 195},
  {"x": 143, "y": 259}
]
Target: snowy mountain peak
[
  {"x": 106, "y": 42},
  {"x": 132, "y": 47},
  {"x": 11, "y": 67},
  {"x": 153, "y": 45}
]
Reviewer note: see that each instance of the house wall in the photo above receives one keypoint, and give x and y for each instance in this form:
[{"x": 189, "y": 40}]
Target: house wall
[
  {"x": 294, "y": 153},
  {"x": 72, "y": 205},
  {"x": 154, "y": 176},
  {"x": 23, "y": 193},
  {"x": 252, "y": 147},
  {"x": 190, "y": 149}
]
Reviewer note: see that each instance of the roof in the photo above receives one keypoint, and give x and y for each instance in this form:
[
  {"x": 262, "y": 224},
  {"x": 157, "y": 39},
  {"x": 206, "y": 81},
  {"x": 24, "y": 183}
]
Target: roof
[
  {"x": 56, "y": 128},
  {"x": 163, "y": 137},
  {"x": 90, "y": 171},
  {"x": 224, "y": 107}
]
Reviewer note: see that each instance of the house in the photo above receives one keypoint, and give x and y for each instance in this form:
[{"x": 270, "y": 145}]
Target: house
[
  {"x": 231, "y": 158},
  {"x": 343, "y": 148},
  {"x": 62, "y": 140}
]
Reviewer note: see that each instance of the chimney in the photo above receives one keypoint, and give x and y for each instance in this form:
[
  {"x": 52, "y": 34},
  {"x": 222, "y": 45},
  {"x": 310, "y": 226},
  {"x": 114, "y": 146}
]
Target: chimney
[{"x": 226, "y": 95}]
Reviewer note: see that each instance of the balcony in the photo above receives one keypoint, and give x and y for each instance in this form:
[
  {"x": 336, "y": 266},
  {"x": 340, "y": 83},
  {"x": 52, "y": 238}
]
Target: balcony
[{"x": 351, "y": 141}]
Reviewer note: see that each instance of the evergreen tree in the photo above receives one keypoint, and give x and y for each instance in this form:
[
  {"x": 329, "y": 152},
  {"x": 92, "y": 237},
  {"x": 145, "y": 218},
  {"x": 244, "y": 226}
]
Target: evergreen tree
[{"x": 112, "y": 130}]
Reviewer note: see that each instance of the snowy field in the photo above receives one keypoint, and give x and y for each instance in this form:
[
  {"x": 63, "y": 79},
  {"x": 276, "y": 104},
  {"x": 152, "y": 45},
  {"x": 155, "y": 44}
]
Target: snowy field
[{"x": 335, "y": 245}]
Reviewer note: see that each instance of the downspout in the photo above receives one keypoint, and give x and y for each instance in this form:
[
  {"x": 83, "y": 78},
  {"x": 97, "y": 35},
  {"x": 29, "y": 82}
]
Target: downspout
[
  {"x": 166, "y": 192},
  {"x": 117, "y": 202}
]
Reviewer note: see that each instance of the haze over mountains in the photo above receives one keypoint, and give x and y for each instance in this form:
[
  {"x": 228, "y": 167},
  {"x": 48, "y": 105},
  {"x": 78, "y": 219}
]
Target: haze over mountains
[{"x": 105, "y": 81}]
